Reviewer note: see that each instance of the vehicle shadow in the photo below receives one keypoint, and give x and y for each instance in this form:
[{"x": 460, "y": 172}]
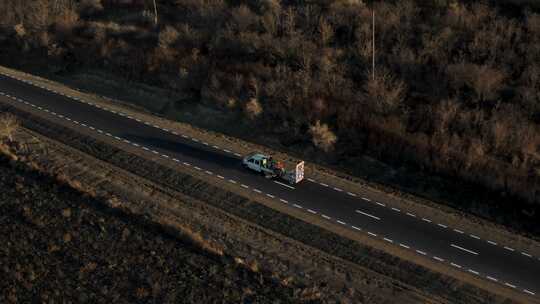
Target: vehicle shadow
[{"x": 190, "y": 152}]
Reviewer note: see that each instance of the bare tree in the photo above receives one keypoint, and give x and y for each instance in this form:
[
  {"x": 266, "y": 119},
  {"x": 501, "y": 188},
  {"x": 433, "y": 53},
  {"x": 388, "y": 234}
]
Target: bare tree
[{"x": 8, "y": 126}]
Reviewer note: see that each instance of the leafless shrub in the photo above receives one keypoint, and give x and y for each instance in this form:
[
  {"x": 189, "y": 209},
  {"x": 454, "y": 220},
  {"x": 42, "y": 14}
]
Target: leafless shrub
[
  {"x": 253, "y": 109},
  {"x": 326, "y": 32},
  {"x": 385, "y": 92},
  {"x": 322, "y": 136},
  {"x": 20, "y": 31},
  {"x": 168, "y": 36},
  {"x": 8, "y": 126},
  {"x": 90, "y": 7},
  {"x": 243, "y": 17},
  {"x": 65, "y": 23}
]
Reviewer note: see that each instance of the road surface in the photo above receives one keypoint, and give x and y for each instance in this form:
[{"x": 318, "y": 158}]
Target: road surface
[{"x": 358, "y": 211}]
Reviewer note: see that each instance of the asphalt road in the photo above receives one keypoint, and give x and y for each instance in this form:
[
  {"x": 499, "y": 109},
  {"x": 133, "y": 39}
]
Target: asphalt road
[{"x": 358, "y": 211}]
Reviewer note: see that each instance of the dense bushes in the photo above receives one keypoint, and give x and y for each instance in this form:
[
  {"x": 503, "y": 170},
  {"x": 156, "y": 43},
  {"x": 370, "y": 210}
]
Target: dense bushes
[{"x": 456, "y": 87}]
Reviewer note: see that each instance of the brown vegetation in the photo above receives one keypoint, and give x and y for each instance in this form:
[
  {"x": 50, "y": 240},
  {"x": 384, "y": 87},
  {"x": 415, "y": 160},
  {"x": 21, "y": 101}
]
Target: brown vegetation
[
  {"x": 455, "y": 89},
  {"x": 60, "y": 245},
  {"x": 8, "y": 126}
]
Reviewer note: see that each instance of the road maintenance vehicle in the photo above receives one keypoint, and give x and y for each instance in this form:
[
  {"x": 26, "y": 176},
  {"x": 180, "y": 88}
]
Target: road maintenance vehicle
[{"x": 272, "y": 168}]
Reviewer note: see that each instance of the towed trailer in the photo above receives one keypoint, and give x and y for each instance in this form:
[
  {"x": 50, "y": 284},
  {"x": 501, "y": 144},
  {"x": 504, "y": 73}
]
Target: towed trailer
[{"x": 272, "y": 168}]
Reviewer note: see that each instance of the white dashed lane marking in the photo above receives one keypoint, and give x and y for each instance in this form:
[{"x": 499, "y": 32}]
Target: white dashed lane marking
[
  {"x": 474, "y": 271},
  {"x": 443, "y": 226},
  {"x": 492, "y": 243},
  {"x": 341, "y": 222},
  {"x": 284, "y": 185},
  {"x": 492, "y": 279},
  {"x": 464, "y": 249},
  {"x": 372, "y": 234},
  {"x": 426, "y": 220},
  {"x": 369, "y": 215},
  {"x": 388, "y": 240},
  {"x": 438, "y": 259},
  {"x": 311, "y": 211}
]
